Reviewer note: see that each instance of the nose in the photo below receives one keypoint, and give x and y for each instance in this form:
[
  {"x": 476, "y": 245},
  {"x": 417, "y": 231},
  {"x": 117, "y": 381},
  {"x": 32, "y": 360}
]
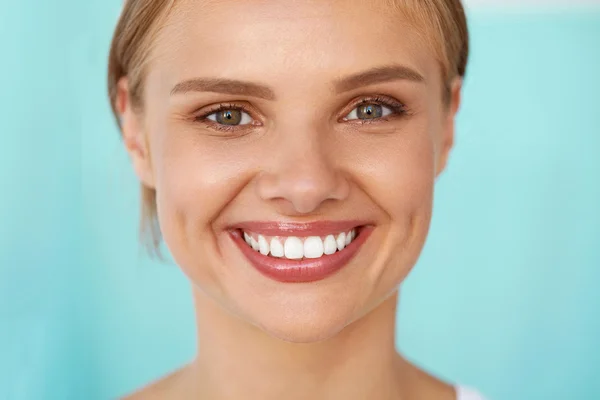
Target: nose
[{"x": 301, "y": 174}]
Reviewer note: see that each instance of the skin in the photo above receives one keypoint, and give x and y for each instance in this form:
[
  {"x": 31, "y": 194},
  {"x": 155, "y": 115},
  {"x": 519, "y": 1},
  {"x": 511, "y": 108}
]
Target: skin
[{"x": 300, "y": 161}]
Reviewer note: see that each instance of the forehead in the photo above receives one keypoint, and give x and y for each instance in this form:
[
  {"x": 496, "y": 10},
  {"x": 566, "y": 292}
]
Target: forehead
[{"x": 285, "y": 40}]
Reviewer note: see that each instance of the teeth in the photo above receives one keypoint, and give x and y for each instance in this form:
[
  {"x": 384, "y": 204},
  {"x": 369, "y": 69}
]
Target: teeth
[
  {"x": 296, "y": 248},
  {"x": 293, "y": 248},
  {"x": 276, "y": 248},
  {"x": 329, "y": 246},
  {"x": 263, "y": 246},
  {"x": 341, "y": 241},
  {"x": 313, "y": 247},
  {"x": 254, "y": 243}
]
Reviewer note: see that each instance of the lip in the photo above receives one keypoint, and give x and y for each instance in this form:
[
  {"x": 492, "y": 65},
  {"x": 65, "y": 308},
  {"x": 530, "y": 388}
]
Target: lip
[
  {"x": 318, "y": 228},
  {"x": 304, "y": 270}
]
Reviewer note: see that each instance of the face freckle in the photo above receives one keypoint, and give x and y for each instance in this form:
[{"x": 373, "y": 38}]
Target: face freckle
[{"x": 248, "y": 119}]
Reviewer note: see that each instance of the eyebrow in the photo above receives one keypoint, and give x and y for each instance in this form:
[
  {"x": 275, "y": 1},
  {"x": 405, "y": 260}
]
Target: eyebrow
[
  {"x": 236, "y": 87},
  {"x": 372, "y": 76},
  {"x": 227, "y": 86}
]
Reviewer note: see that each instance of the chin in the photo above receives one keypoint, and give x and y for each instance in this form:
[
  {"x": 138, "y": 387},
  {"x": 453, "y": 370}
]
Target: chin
[
  {"x": 304, "y": 330},
  {"x": 303, "y": 319}
]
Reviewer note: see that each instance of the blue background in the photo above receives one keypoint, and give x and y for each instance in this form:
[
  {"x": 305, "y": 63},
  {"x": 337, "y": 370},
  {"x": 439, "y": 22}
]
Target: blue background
[{"x": 505, "y": 297}]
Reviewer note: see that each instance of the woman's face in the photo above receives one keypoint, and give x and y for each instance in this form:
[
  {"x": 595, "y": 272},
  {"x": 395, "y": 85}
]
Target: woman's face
[{"x": 292, "y": 112}]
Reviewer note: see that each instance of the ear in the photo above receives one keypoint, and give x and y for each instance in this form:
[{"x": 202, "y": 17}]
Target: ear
[
  {"x": 446, "y": 141},
  {"x": 134, "y": 135}
]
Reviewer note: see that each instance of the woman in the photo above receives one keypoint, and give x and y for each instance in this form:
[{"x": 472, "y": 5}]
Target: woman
[{"x": 287, "y": 153}]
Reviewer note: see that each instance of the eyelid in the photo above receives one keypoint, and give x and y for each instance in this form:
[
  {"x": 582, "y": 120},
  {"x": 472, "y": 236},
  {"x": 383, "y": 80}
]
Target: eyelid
[
  {"x": 398, "y": 107},
  {"x": 206, "y": 111},
  {"x": 201, "y": 116}
]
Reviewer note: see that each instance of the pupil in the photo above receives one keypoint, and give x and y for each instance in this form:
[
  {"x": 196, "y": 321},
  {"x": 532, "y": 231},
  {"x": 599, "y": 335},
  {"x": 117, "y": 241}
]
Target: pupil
[
  {"x": 370, "y": 111},
  {"x": 229, "y": 117}
]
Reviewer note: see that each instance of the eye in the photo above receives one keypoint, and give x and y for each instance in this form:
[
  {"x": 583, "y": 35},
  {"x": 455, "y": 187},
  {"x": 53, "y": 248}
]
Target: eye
[
  {"x": 367, "y": 111},
  {"x": 230, "y": 117}
]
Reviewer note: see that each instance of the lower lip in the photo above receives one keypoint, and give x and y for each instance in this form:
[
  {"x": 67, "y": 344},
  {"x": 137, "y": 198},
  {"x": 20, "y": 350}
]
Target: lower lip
[{"x": 306, "y": 269}]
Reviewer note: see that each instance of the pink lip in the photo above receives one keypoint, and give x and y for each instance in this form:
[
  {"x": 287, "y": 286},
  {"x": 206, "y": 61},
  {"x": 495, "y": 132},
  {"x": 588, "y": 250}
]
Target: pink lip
[
  {"x": 304, "y": 270},
  {"x": 318, "y": 228}
]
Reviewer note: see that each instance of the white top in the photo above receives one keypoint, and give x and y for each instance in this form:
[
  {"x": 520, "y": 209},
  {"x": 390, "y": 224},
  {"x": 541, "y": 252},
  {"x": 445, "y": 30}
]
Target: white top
[{"x": 467, "y": 393}]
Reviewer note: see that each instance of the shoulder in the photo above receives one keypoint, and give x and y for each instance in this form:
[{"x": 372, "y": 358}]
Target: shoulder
[
  {"x": 468, "y": 393},
  {"x": 162, "y": 388}
]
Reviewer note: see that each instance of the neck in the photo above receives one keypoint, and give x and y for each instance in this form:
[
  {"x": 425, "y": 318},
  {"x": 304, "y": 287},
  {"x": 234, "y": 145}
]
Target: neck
[{"x": 237, "y": 360}]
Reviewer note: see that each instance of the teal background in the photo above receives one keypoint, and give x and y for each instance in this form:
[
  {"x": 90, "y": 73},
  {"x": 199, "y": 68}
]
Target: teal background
[{"x": 505, "y": 297}]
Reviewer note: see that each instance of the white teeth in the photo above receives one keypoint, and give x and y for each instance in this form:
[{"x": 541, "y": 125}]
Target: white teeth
[
  {"x": 253, "y": 243},
  {"x": 348, "y": 238},
  {"x": 329, "y": 246},
  {"x": 263, "y": 246},
  {"x": 341, "y": 241},
  {"x": 293, "y": 248},
  {"x": 276, "y": 248},
  {"x": 313, "y": 247}
]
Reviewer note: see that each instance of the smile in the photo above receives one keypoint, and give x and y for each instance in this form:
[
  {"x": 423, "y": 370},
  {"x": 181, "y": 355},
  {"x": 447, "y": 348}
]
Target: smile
[
  {"x": 300, "y": 252},
  {"x": 295, "y": 248}
]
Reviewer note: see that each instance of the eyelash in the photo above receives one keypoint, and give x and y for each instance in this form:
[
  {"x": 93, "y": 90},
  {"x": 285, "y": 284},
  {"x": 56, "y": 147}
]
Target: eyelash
[
  {"x": 220, "y": 127},
  {"x": 398, "y": 110}
]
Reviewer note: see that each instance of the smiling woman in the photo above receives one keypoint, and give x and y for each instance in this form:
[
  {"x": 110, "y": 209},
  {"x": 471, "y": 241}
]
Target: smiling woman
[{"x": 287, "y": 153}]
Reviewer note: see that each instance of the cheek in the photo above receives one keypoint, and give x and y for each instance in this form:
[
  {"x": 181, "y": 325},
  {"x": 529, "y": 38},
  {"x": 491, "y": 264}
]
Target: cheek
[
  {"x": 398, "y": 173},
  {"x": 410, "y": 179},
  {"x": 195, "y": 181},
  {"x": 409, "y": 200}
]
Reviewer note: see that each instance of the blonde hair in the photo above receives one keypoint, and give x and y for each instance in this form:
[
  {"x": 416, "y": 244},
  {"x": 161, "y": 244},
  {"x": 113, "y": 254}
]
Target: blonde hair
[{"x": 442, "y": 24}]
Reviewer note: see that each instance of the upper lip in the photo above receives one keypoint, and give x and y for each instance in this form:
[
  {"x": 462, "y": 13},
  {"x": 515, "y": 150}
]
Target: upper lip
[{"x": 282, "y": 228}]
